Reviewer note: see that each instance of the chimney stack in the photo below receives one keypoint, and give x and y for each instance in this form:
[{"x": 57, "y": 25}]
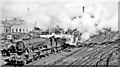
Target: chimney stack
[{"x": 83, "y": 9}]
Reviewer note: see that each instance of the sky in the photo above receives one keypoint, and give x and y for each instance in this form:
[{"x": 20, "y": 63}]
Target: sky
[
  {"x": 49, "y": 13},
  {"x": 19, "y": 7}
]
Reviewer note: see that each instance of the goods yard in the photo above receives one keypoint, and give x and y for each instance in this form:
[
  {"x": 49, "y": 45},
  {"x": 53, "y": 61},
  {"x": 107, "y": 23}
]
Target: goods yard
[
  {"x": 53, "y": 33},
  {"x": 99, "y": 50}
]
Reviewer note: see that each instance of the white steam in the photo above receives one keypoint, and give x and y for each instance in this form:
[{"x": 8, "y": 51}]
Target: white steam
[{"x": 50, "y": 15}]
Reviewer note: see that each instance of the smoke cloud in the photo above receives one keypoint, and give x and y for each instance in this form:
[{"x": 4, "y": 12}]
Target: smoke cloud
[{"x": 96, "y": 16}]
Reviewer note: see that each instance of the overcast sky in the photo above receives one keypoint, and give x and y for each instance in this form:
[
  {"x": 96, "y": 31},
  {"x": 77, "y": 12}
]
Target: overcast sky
[
  {"x": 49, "y": 13},
  {"x": 20, "y": 6}
]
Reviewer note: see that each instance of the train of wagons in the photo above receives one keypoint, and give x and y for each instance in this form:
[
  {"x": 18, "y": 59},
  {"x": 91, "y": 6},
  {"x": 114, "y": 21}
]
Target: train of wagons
[{"x": 21, "y": 51}]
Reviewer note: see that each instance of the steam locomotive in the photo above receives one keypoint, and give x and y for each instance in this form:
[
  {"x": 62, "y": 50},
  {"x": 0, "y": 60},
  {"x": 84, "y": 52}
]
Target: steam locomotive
[{"x": 22, "y": 51}]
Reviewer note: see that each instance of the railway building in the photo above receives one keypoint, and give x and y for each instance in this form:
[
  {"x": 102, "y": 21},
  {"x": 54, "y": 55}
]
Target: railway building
[{"x": 16, "y": 25}]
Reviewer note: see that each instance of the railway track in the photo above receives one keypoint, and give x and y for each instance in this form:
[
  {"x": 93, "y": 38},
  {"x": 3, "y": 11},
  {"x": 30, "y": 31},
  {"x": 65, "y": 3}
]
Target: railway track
[
  {"x": 103, "y": 60},
  {"x": 96, "y": 57},
  {"x": 62, "y": 62},
  {"x": 94, "y": 60},
  {"x": 89, "y": 55},
  {"x": 79, "y": 55},
  {"x": 59, "y": 60},
  {"x": 83, "y": 56}
]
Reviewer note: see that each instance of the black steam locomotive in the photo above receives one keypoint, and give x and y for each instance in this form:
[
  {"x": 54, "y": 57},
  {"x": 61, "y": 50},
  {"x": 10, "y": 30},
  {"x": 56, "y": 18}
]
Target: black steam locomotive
[{"x": 22, "y": 51}]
